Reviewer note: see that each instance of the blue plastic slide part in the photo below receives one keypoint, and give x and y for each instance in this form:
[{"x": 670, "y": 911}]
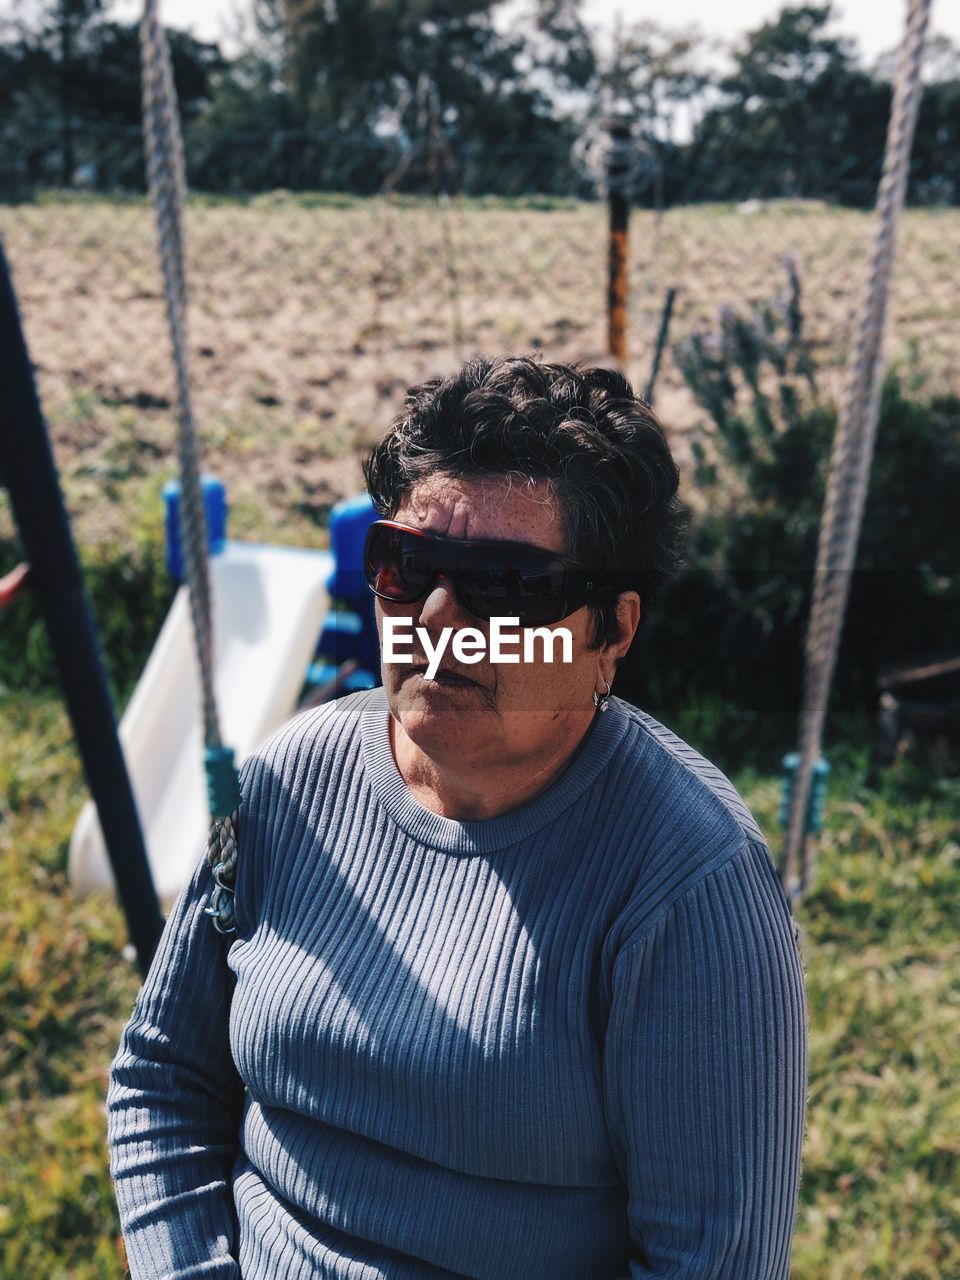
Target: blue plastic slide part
[
  {"x": 347, "y": 635},
  {"x": 215, "y": 512},
  {"x": 341, "y": 637},
  {"x": 818, "y": 792},
  {"x": 321, "y": 673},
  {"x": 349, "y": 521}
]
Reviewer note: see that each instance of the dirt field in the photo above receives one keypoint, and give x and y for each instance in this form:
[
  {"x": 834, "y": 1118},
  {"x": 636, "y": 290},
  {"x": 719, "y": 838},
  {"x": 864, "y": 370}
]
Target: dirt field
[{"x": 308, "y": 322}]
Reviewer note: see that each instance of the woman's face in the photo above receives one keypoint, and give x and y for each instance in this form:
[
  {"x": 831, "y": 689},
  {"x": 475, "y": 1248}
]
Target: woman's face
[{"x": 506, "y": 713}]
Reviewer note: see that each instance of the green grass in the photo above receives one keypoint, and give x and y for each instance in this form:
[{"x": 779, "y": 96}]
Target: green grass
[
  {"x": 880, "y": 1196},
  {"x": 64, "y": 990}
]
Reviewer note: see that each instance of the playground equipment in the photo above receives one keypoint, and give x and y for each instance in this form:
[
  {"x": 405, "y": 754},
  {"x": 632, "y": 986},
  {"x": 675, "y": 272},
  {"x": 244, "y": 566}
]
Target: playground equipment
[
  {"x": 850, "y": 461},
  {"x": 269, "y": 605},
  {"x": 141, "y": 831},
  {"x": 221, "y": 597},
  {"x": 27, "y": 469}
]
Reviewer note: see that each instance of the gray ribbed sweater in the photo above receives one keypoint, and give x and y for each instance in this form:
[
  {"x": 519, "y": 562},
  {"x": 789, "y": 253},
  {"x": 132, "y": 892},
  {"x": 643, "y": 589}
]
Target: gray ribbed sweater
[{"x": 567, "y": 1043}]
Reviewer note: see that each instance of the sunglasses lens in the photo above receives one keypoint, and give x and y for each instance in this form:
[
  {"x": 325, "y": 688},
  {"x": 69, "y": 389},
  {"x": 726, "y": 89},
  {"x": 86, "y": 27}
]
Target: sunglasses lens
[
  {"x": 515, "y": 585},
  {"x": 491, "y": 580},
  {"x": 398, "y": 564}
]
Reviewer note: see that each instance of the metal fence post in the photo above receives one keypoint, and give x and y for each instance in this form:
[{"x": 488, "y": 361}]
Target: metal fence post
[{"x": 661, "y": 343}]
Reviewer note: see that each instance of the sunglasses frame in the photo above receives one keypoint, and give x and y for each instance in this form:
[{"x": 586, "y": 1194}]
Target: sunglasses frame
[{"x": 446, "y": 551}]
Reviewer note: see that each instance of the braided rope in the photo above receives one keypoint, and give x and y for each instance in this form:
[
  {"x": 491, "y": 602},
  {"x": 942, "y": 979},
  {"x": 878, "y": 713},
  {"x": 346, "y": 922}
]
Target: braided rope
[
  {"x": 852, "y": 452},
  {"x": 168, "y": 187}
]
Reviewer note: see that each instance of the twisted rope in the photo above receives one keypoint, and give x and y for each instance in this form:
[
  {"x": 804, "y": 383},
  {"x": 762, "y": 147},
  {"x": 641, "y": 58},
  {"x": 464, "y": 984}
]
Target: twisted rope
[
  {"x": 168, "y": 187},
  {"x": 852, "y": 451}
]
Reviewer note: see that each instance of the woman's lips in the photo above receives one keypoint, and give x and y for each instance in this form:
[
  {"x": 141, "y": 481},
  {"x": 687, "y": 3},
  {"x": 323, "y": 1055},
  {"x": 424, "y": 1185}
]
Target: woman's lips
[{"x": 452, "y": 679}]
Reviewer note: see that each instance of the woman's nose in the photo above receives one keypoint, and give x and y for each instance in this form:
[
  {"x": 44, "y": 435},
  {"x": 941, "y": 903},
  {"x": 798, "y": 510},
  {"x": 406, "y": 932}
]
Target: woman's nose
[{"x": 441, "y": 607}]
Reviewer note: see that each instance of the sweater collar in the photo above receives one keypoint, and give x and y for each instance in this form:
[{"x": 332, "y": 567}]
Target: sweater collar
[{"x": 603, "y": 738}]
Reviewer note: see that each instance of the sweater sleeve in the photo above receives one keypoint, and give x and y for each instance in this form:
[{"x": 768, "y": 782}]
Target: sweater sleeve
[
  {"x": 705, "y": 1078},
  {"x": 173, "y": 1105}
]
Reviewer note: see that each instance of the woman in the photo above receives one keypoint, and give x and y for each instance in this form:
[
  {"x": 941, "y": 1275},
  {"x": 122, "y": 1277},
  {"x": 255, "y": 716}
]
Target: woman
[{"x": 517, "y": 990}]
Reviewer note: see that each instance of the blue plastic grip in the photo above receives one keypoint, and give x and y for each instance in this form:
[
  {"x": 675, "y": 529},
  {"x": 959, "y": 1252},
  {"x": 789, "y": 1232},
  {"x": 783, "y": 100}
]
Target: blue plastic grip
[
  {"x": 215, "y": 513},
  {"x": 818, "y": 792},
  {"x": 223, "y": 781}
]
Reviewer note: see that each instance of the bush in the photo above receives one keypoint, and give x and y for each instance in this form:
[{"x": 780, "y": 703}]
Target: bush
[
  {"x": 129, "y": 591},
  {"x": 731, "y": 628}
]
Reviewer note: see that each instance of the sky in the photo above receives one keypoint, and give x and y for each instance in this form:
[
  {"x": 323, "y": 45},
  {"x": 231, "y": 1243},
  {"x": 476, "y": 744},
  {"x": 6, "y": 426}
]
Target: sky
[{"x": 875, "y": 24}]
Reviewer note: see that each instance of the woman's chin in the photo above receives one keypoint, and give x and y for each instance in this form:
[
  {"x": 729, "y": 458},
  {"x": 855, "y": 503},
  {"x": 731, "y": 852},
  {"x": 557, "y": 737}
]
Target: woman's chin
[{"x": 439, "y": 717}]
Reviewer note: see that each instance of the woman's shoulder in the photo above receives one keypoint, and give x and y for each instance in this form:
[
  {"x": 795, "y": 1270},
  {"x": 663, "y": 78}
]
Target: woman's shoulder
[
  {"x": 686, "y": 821},
  {"x": 305, "y": 760},
  {"x": 682, "y": 774},
  {"x": 306, "y": 740}
]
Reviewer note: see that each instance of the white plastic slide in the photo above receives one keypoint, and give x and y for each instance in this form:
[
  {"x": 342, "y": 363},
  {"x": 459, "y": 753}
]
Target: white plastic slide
[{"x": 268, "y": 607}]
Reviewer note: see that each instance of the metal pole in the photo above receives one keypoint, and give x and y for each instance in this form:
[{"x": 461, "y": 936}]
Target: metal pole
[
  {"x": 661, "y": 343},
  {"x": 28, "y": 468},
  {"x": 619, "y": 205}
]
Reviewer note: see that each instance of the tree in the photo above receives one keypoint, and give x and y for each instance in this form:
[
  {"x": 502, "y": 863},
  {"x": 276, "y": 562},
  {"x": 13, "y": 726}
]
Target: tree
[
  {"x": 419, "y": 75},
  {"x": 654, "y": 70},
  {"x": 558, "y": 49},
  {"x": 798, "y": 116},
  {"x": 935, "y": 162},
  {"x": 65, "y": 25},
  {"x": 71, "y": 90}
]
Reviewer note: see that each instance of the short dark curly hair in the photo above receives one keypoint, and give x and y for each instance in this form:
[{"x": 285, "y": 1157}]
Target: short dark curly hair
[{"x": 583, "y": 430}]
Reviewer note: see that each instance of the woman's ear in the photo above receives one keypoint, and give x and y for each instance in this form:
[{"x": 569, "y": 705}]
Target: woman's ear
[{"x": 628, "y": 619}]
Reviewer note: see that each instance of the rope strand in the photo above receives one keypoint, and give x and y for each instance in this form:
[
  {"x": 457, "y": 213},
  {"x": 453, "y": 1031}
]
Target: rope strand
[
  {"x": 852, "y": 451},
  {"x": 167, "y": 178}
]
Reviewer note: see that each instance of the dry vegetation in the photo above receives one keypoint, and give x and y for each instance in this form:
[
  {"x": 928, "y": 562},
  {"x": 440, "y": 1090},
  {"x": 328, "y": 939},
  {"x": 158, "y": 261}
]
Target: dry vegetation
[{"x": 309, "y": 318}]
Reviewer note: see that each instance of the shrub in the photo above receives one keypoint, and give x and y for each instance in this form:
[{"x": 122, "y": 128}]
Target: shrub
[
  {"x": 129, "y": 591},
  {"x": 732, "y": 625}
]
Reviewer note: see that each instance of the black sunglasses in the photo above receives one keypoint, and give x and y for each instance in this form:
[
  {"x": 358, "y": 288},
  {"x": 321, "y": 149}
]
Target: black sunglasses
[{"x": 491, "y": 579}]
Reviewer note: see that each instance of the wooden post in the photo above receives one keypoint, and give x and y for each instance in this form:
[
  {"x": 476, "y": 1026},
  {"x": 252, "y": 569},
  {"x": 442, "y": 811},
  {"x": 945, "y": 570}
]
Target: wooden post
[{"x": 617, "y": 170}]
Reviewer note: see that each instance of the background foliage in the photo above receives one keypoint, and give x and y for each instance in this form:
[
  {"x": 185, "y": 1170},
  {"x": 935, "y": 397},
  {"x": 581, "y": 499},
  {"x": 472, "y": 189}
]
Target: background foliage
[
  {"x": 354, "y": 94},
  {"x": 739, "y": 609}
]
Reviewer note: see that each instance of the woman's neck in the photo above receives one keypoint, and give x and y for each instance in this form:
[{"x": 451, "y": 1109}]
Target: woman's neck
[{"x": 468, "y": 790}]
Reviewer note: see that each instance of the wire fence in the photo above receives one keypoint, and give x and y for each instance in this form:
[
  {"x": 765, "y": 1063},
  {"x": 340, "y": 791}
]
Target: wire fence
[{"x": 312, "y": 310}]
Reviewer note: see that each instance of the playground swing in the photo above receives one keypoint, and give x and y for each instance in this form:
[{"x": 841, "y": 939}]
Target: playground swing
[
  {"x": 140, "y": 831},
  {"x": 805, "y": 772},
  {"x": 847, "y": 487},
  {"x": 849, "y": 472},
  {"x": 165, "y": 165}
]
